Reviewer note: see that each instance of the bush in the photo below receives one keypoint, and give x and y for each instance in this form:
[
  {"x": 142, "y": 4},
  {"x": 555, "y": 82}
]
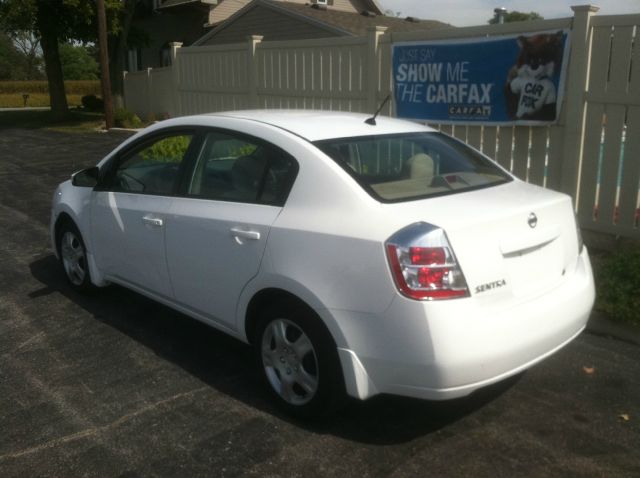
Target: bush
[
  {"x": 126, "y": 119},
  {"x": 92, "y": 103},
  {"x": 169, "y": 150},
  {"x": 618, "y": 286}
]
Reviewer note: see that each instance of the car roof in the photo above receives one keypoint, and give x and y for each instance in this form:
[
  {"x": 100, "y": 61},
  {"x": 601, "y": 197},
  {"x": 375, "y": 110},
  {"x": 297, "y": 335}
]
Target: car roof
[{"x": 315, "y": 125}]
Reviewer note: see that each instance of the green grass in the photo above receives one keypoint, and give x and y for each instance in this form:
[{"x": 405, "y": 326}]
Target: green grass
[
  {"x": 83, "y": 87},
  {"x": 617, "y": 276},
  {"x": 76, "y": 121},
  {"x": 15, "y": 100}
]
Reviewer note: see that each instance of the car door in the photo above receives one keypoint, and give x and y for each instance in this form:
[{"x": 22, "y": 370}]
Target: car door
[
  {"x": 218, "y": 228},
  {"x": 129, "y": 211}
]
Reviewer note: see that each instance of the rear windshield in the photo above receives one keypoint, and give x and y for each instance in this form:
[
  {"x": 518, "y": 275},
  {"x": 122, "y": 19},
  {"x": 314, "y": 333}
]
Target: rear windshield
[{"x": 403, "y": 167}]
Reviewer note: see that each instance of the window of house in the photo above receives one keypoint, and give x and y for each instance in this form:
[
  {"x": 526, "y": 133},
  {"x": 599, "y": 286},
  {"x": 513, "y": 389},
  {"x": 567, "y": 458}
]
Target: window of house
[
  {"x": 165, "y": 56},
  {"x": 134, "y": 59}
]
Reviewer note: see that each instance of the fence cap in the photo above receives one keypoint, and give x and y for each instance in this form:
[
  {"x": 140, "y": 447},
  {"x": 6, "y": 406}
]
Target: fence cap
[{"x": 585, "y": 8}]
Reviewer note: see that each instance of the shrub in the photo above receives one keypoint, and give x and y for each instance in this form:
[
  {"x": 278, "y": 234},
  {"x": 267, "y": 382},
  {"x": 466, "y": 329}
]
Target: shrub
[
  {"x": 126, "y": 119},
  {"x": 92, "y": 103},
  {"x": 169, "y": 150},
  {"x": 618, "y": 285}
]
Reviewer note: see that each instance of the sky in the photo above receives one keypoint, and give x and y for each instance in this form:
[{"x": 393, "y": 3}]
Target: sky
[{"x": 476, "y": 12}]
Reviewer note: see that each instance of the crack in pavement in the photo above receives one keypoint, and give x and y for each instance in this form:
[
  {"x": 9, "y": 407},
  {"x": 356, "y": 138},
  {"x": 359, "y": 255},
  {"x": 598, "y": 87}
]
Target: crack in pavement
[{"x": 92, "y": 431}]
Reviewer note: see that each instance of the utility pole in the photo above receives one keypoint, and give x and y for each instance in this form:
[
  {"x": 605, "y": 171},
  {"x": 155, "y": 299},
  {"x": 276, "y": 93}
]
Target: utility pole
[{"x": 104, "y": 64}]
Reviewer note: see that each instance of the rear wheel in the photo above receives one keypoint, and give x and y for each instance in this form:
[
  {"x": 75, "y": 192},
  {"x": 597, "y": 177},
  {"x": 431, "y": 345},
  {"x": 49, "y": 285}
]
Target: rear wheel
[
  {"x": 298, "y": 361},
  {"x": 73, "y": 256}
]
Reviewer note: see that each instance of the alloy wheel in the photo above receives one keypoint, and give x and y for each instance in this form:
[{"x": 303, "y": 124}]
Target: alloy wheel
[
  {"x": 290, "y": 362},
  {"x": 73, "y": 258}
]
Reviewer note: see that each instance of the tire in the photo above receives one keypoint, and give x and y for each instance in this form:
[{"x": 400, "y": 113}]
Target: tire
[
  {"x": 73, "y": 257},
  {"x": 297, "y": 360}
]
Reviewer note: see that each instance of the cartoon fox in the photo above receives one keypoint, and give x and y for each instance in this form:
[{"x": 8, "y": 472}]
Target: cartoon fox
[{"x": 530, "y": 91}]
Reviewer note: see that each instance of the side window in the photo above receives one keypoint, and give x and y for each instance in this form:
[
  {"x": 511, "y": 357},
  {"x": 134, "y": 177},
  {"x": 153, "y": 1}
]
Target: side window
[
  {"x": 236, "y": 168},
  {"x": 154, "y": 168}
]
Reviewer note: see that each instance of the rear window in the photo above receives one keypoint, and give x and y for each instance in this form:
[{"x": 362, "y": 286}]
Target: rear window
[{"x": 403, "y": 167}]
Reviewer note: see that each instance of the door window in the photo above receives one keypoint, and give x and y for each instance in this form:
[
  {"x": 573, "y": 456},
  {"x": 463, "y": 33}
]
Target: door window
[
  {"x": 154, "y": 168},
  {"x": 238, "y": 168}
]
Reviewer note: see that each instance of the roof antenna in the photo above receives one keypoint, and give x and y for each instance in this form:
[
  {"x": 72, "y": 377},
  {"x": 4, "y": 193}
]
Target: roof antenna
[{"x": 372, "y": 120}]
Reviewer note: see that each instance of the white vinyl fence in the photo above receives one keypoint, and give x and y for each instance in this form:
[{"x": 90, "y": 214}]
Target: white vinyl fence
[{"x": 592, "y": 153}]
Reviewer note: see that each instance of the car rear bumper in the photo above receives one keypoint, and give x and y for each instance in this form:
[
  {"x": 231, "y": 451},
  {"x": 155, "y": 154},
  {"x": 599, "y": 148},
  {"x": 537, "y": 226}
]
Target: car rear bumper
[{"x": 448, "y": 349}]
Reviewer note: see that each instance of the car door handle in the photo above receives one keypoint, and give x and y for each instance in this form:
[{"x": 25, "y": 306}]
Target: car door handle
[
  {"x": 242, "y": 234},
  {"x": 153, "y": 221}
]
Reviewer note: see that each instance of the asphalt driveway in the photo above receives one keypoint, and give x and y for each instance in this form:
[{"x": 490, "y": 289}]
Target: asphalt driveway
[{"x": 113, "y": 384}]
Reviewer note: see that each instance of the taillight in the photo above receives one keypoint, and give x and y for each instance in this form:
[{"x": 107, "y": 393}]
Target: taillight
[{"x": 423, "y": 264}]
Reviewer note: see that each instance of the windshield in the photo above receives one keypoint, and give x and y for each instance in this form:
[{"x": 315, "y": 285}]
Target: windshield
[{"x": 402, "y": 167}]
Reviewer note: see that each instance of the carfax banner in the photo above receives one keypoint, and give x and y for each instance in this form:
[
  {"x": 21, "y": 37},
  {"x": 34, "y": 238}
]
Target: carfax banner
[{"x": 515, "y": 79}]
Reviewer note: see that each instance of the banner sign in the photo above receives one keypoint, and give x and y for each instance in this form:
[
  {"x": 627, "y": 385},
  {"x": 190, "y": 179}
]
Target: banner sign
[{"x": 516, "y": 79}]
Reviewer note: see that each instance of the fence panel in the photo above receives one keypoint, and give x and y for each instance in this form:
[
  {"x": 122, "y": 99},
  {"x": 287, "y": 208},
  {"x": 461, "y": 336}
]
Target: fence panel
[
  {"x": 474, "y": 136},
  {"x": 521, "y": 143},
  {"x": 162, "y": 93},
  {"x": 538, "y": 156},
  {"x": 137, "y": 92},
  {"x": 489, "y": 141},
  {"x": 610, "y": 175},
  {"x": 319, "y": 74},
  {"x": 213, "y": 78}
]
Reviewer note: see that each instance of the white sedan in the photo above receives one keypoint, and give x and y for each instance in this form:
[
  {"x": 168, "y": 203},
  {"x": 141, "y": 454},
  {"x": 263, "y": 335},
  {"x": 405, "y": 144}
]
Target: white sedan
[{"x": 359, "y": 257}]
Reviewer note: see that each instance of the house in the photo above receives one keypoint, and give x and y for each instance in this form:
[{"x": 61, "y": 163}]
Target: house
[
  {"x": 158, "y": 23},
  {"x": 297, "y": 20}
]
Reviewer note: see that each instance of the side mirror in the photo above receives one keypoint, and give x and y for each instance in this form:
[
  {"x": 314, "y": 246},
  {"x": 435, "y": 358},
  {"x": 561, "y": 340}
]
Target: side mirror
[{"x": 86, "y": 178}]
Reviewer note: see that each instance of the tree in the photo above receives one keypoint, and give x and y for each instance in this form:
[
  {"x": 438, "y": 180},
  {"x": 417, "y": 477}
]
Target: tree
[
  {"x": 10, "y": 59},
  {"x": 53, "y": 22},
  {"x": 77, "y": 62},
  {"x": 29, "y": 47},
  {"x": 123, "y": 36},
  {"x": 517, "y": 17}
]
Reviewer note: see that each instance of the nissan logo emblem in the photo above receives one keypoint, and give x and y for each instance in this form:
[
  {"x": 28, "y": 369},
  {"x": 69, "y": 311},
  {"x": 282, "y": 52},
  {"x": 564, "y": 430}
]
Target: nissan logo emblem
[{"x": 532, "y": 220}]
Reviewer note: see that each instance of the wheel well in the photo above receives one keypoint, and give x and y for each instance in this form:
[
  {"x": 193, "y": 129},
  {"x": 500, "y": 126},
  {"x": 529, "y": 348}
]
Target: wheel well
[{"x": 263, "y": 299}]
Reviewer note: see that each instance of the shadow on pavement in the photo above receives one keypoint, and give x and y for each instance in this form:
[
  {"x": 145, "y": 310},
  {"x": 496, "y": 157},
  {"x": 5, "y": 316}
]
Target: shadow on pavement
[{"x": 226, "y": 364}]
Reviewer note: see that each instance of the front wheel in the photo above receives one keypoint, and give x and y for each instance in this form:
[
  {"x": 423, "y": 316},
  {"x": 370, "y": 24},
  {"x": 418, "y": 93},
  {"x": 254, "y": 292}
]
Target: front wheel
[
  {"x": 73, "y": 256},
  {"x": 298, "y": 360}
]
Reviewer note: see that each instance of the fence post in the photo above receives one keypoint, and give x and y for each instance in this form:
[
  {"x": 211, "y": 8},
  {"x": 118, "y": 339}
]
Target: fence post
[
  {"x": 149, "y": 101},
  {"x": 124, "y": 89},
  {"x": 373, "y": 66},
  {"x": 252, "y": 70},
  {"x": 175, "y": 73},
  {"x": 575, "y": 105}
]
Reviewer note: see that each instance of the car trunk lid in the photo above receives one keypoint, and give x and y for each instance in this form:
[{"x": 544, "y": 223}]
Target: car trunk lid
[{"x": 513, "y": 240}]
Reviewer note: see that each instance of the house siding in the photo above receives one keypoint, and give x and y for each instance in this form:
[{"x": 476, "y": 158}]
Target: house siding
[
  {"x": 346, "y": 5},
  {"x": 225, "y": 9},
  {"x": 271, "y": 24}
]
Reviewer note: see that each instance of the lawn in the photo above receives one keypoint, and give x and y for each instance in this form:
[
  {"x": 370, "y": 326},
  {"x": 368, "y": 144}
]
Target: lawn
[
  {"x": 16, "y": 100},
  {"x": 76, "y": 121}
]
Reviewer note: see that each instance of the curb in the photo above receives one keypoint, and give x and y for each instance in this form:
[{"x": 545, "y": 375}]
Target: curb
[
  {"x": 127, "y": 130},
  {"x": 601, "y": 325}
]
